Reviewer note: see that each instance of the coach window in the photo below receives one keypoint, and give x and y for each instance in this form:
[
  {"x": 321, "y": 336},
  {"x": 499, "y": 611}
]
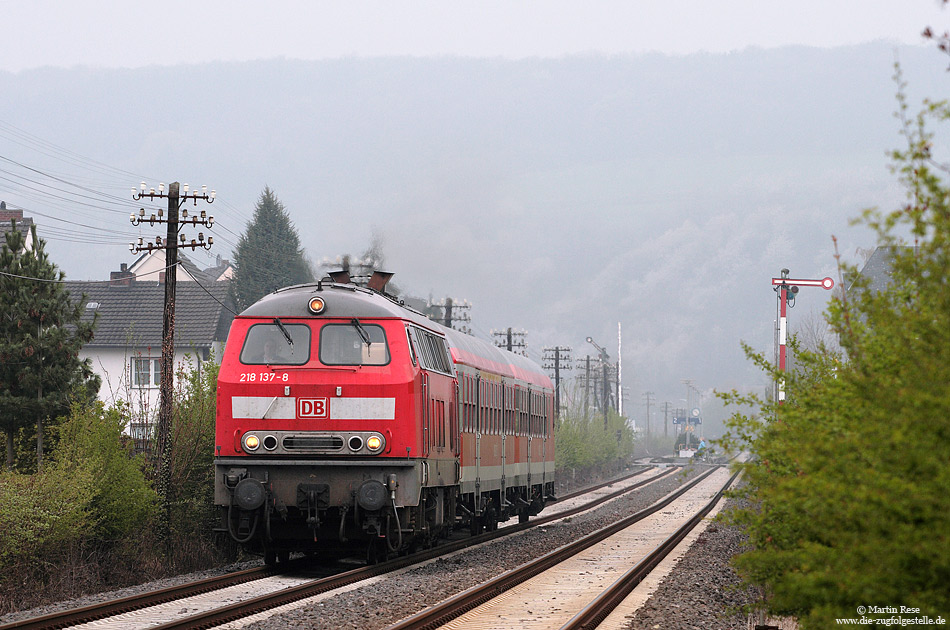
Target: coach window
[
  {"x": 266, "y": 344},
  {"x": 353, "y": 343}
]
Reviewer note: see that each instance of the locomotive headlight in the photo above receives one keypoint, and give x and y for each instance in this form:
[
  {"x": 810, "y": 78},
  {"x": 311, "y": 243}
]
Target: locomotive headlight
[
  {"x": 251, "y": 442},
  {"x": 317, "y": 305},
  {"x": 374, "y": 443}
]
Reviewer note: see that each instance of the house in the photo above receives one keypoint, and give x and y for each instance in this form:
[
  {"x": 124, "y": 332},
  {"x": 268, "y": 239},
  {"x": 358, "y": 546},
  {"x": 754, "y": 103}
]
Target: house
[
  {"x": 151, "y": 266},
  {"x": 23, "y": 225},
  {"x": 126, "y": 350},
  {"x": 879, "y": 268}
]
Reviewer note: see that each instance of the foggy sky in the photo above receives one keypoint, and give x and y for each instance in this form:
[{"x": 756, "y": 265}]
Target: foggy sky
[
  {"x": 111, "y": 33},
  {"x": 561, "y": 197}
]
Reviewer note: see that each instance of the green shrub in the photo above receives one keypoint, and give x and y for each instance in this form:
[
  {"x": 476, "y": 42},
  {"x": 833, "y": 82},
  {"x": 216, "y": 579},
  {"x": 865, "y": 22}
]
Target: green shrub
[
  {"x": 849, "y": 477},
  {"x": 43, "y": 514},
  {"x": 192, "y": 477},
  {"x": 91, "y": 444},
  {"x": 582, "y": 442}
]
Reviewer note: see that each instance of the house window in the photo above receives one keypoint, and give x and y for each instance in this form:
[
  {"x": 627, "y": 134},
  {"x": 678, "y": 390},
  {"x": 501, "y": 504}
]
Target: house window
[{"x": 146, "y": 372}]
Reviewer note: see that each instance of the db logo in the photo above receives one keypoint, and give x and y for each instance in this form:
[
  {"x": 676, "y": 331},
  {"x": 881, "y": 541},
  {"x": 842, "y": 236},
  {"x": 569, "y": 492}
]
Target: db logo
[{"x": 313, "y": 407}]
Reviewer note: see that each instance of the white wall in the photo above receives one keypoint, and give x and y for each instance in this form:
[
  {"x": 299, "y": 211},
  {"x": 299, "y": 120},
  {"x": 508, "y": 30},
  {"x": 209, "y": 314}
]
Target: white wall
[{"x": 114, "y": 366}]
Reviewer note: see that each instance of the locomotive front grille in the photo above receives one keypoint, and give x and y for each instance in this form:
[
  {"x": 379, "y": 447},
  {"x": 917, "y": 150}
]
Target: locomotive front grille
[{"x": 313, "y": 443}]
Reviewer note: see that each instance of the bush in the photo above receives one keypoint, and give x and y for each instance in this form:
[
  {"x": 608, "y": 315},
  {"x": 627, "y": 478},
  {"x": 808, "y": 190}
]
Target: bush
[
  {"x": 192, "y": 476},
  {"x": 91, "y": 444},
  {"x": 43, "y": 514},
  {"x": 583, "y": 441}
]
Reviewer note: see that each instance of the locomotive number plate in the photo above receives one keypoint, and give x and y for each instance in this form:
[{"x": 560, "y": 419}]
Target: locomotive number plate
[{"x": 262, "y": 377}]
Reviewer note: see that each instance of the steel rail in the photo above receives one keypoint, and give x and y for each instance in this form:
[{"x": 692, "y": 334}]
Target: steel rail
[
  {"x": 597, "y": 611},
  {"x": 256, "y": 605},
  {"x": 603, "y": 484},
  {"x": 131, "y": 603},
  {"x": 114, "y": 607},
  {"x": 455, "y": 606}
]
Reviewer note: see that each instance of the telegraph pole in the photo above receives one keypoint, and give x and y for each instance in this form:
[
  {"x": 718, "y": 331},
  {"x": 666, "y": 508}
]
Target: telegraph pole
[
  {"x": 603, "y": 359},
  {"x": 586, "y": 386},
  {"x": 666, "y": 413},
  {"x": 176, "y": 196},
  {"x": 648, "y": 396},
  {"x": 557, "y": 358},
  {"x": 510, "y": 340},
  {"x": 453, "y": 312}
]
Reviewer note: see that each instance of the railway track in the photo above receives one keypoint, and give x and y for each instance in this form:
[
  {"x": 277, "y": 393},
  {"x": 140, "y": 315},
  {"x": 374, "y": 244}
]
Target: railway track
[
  {"x": 237, "y": 595},
  {"x": 578, "y": 586}
]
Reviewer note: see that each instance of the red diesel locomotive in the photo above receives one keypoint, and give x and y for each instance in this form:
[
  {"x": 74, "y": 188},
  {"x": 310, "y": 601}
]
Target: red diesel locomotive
[{"x": 345, "y": 417}]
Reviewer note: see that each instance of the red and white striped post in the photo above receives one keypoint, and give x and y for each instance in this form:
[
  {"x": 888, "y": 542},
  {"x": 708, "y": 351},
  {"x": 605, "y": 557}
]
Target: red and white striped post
[{"x": 783, "y": 286}]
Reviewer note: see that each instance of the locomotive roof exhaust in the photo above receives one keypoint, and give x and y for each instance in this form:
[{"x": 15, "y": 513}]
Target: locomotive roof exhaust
[
  {"x": 377, "y": 282},
  {"x": 340, "y": 277}
]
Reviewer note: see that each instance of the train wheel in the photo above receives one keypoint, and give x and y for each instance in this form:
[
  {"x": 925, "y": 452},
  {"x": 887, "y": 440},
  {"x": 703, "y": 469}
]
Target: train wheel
[
  {"x": 491, "y": 519},
  {"x": 270, "y": 557},
  {"x": 376, "y": 552},
  {"x": 476, "y": 525},
  {"x": 523, "y": 515}
]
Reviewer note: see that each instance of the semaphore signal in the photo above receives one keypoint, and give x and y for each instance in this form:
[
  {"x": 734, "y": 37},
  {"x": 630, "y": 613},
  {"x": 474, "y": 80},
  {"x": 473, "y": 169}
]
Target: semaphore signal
[{"x": 786, "y": 289}]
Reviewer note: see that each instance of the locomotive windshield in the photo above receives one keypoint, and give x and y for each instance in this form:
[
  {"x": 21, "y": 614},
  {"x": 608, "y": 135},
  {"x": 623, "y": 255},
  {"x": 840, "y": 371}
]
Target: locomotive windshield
[
  {"x": 267, "y": 344},
  {"x": 353, "y": 344}
]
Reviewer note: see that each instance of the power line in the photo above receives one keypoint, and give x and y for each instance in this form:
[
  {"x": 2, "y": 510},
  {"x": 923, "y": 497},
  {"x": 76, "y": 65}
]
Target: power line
[{"x": 136, "y": 276}]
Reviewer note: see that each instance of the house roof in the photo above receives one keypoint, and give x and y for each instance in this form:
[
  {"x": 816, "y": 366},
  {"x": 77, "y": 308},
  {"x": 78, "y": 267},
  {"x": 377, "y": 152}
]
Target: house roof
[
  {"x": 23, "y": 224},
  {"x": 133, "y": 315},
  {"x": 879, "y": 268},
  {"x": 187, "y": 271}
]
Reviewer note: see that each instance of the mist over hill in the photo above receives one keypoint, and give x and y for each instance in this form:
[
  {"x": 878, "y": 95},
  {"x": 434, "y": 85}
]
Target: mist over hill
[{"x": 558, "y": 196}]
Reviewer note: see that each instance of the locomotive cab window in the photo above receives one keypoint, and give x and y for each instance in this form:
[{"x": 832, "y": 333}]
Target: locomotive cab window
[
  {"x": 267, "y": 344},
  {"x": 353, "y": 344}
]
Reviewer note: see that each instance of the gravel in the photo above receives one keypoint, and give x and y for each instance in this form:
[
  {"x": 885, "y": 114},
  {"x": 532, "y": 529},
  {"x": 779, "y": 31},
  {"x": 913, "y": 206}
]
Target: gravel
[
  {"x": 703, "y": 591},
  {"x": 704, "y": 605},
  {"x": 391, "y": 600}
]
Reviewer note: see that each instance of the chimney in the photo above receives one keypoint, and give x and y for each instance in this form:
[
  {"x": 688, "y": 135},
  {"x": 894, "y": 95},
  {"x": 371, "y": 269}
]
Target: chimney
[
  {"x": 122, "y": 278},
  {"x": 7, "y": 215}
]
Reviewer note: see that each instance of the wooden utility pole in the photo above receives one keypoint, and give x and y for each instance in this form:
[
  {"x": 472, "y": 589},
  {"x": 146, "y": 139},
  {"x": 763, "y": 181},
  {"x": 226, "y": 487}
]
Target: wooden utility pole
[
  {"x": 648, "y": 396},
  {"x": 557, "y": 358},
  {"x": 176, "y": 197},
  {"x": 511, "y": 340},
  {"x": 455, "y": 314},
  {"x": 586, "y": 386},
  {"x": 167, "y": 384}
]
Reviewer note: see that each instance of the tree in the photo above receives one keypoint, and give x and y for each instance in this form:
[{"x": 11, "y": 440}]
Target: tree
[
  {"x": 268, "y": 255},
  {"x": 41, "y": 333},
  {"x": 848, "y": 479}
]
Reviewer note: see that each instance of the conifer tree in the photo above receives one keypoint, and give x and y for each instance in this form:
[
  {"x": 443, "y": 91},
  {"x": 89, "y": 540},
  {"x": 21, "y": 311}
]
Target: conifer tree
[
  {"x": 41, "y": 333},
  {"x": 268, "y": 255}
]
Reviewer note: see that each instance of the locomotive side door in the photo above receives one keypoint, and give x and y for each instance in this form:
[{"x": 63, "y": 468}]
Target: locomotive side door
[{"x": 426, "y": 415}]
